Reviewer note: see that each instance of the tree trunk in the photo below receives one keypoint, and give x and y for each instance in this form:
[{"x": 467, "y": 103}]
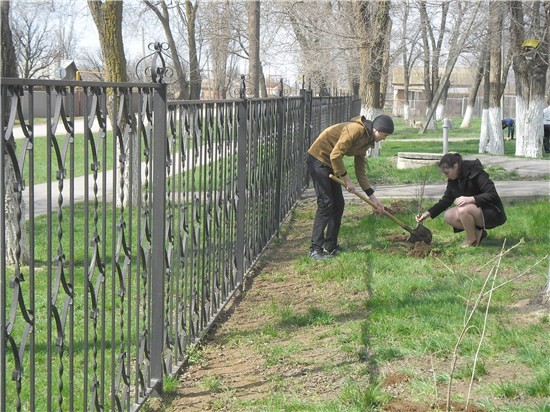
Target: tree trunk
[
  {"x": 254, "y": 46},
  {"x": 108, "y": 20},
  {"x": 107, "y": 17},
  {"x": 457, "y": 45},
  {"x": 17, "y": 251},
  {"x": 406, "y": 63},
  {"x": 472, "y": 95},
  {"x": 530, "y": 72},
  {"x": 263, "y": 87},
  {"x": 442, "y": 104},
  {"x": 496, "y": 138},
  {"x": 484, "y": 132},
  {"x": 374, "y": 31},
  {"x": 194, "y": 69},
  {"x": 385, "y": 65},
  {"x": 218, "y": 40}
]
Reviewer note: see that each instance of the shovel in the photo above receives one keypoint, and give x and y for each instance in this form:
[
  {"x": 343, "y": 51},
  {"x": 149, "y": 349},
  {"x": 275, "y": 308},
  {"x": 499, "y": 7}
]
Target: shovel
[{"x": 420, "y": 234}]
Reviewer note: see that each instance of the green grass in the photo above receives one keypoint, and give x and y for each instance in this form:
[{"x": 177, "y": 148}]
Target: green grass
[{"x": 417, "y": 310}]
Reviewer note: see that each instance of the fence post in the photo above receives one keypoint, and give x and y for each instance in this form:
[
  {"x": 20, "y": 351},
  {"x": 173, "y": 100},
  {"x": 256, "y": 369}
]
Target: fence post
[
  {"x": 446, "y": 126},
  {"x": 279, "y": 157},
  {"x": 158, "y": 240},
  {"x": 3, "y": 301},
  {"x": 242, "y": 171},
  {"x": 301, "y": 168}
]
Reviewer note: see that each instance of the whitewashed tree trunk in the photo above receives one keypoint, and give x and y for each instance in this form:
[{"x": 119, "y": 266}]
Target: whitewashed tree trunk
[
  {"x": 395, "y": 108},
  {"x": 467, "y": 119},
  {"x": 406, "y": 111},
  {"x": 484, "y": 133},
  {"x": 370, "y": 113},
  {"x": 529, "y": 127},
  {"x": 432, "y": 124},
  {"x": 16, "y": 224},
  {"x": 440, "y": 111},
  {"x": 530, "y": 75},
  {"x": 496, "y": 137}
]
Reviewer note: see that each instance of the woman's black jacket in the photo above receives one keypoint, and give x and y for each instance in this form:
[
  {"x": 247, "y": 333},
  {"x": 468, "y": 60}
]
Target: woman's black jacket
[{"x": 473, "y": 181}]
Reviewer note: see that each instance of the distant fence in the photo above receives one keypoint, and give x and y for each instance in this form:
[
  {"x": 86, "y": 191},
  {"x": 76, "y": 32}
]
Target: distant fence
[
  {"x": 153, "y": 214},
  {"x": 454, "y": 107}
]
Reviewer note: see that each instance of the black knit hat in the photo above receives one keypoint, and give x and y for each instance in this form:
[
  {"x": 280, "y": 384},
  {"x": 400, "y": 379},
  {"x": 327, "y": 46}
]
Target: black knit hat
[{"x": 383, "y": 123}]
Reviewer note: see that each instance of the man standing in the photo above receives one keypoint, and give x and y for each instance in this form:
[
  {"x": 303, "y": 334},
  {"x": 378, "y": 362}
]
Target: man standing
[
  {"x": 509, "y": 123},
  {"x": 325, "y": 157}
]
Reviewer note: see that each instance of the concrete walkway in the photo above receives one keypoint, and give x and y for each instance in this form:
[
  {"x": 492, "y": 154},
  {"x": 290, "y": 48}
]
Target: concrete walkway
[{"x": 506, "y": 189}]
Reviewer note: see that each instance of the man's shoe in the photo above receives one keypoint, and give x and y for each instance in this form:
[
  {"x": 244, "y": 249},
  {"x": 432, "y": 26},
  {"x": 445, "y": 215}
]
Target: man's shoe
[
  {"x": 317, "y": 255},
  {"x": 333, "y": 252}
]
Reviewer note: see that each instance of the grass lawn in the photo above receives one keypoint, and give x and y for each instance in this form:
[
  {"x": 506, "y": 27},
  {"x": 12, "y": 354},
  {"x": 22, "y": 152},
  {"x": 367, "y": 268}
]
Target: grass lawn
[{"x": 376, "y": 327}]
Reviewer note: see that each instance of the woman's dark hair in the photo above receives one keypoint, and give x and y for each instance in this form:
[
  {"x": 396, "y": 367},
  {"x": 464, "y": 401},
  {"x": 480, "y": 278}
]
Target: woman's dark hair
[{"x": 449, "y": 160}]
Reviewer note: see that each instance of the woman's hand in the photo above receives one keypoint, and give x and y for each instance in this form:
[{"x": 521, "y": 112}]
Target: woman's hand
[
  {"x": 422, "y": 217},
  {"x": 464, "y": 200}
]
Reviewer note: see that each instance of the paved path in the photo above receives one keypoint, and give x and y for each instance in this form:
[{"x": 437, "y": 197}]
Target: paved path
[
  {"x": 512, "y": 189},
  {"x": 42, "y": 129},
  {"x": 506, "y": 190}
]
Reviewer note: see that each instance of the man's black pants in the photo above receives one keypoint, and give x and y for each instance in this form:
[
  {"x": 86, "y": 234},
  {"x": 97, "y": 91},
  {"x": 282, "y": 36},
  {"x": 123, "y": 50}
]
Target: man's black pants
[{"x": 330, "y": 206}]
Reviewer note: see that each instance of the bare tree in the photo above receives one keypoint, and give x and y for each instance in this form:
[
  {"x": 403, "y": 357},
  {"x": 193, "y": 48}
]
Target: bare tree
[
  {"x": 432, "y": 51},
  {"x": 530, "y": 40},
  {"x": 36, "y": 51},
  {"x": 161, "y": 10},
  {"x": 409, "y": 52},
  {"x": 92, "y": 66},
  {"x": 310, "y": 24},
  {"x": 67, "y": 38},
  {"x": 17, "y": 251},
  {"x": 461, "y": 32}
]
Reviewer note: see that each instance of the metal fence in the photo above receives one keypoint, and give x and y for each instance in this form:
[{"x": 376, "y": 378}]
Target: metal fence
[{"x": 126, "y": 232}]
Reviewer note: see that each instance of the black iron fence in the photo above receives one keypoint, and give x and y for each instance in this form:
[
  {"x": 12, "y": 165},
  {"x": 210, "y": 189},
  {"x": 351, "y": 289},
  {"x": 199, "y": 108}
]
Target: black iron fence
[{"x": 125, "y": 232}]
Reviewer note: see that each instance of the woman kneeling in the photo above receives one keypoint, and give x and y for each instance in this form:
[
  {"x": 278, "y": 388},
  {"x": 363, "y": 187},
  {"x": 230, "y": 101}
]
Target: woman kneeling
[{"x": 477, "y": 204}]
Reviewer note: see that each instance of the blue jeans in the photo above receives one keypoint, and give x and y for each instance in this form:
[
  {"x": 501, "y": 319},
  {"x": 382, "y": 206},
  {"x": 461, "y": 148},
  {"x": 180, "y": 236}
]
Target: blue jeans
[{"x": 330, "y": 206}]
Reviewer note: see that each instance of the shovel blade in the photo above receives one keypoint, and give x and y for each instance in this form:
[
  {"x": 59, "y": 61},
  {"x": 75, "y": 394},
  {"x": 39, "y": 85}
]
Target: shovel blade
[{"x": 420, "y": 234}]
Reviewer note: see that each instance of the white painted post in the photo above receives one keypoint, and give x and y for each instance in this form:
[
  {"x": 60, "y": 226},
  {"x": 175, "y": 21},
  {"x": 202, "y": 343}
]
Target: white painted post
[{"x": 446, "y": 127}]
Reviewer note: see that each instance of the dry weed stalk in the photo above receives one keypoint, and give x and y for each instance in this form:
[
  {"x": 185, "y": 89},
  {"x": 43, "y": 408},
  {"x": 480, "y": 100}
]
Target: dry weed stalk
[
  {"x": 420, "y": 192},
  {"x": 486, "y": 315},
  {"x": 546, "y": 291},
  {"x": 482, "y": 293},
  {"x": 522, "y": 274},
  {"x": 492, "y": 273}
]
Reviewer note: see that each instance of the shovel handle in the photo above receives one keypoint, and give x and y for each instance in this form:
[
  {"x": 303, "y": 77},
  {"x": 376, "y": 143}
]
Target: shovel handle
[{"x": 371, "y": 203}]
